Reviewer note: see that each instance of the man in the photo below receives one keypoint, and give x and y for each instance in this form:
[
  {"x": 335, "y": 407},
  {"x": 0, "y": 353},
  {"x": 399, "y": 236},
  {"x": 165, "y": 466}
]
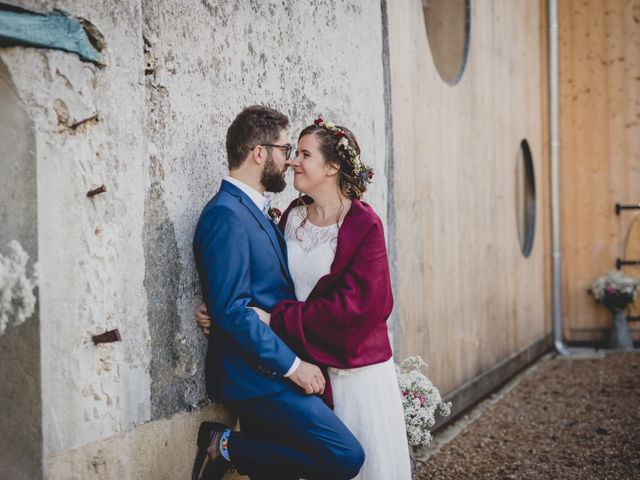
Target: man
[{"x": 287, "y": 431}]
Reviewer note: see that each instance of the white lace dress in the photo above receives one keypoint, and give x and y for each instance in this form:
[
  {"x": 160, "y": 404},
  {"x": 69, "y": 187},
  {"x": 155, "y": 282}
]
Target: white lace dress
[{"x": 366, "y": 399}]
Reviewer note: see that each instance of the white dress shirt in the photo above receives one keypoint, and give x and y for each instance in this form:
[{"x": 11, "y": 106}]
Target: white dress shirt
[
  {"x": 256, "y": 197},
  {"x": 261, "y": 202}
]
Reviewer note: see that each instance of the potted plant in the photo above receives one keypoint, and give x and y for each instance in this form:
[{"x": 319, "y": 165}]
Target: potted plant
[{"x": 616, "y": 292}]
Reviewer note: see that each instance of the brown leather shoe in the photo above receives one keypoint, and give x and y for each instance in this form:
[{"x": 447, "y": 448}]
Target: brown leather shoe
[{"x": 206, "y": 466}]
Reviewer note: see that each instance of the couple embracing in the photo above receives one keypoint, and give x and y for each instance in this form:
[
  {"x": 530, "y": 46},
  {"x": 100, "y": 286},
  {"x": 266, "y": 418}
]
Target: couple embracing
[{"x": 296, "y": 312}]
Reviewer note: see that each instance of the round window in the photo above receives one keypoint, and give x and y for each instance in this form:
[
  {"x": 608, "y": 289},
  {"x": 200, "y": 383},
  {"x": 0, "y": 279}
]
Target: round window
[
  {"x": 448, "y": 24},
  {"x": 525, "y": 198}
]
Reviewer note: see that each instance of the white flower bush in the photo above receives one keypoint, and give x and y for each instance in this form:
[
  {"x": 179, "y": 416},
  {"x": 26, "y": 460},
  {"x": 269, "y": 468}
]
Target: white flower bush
[
  {"x": 420, "y": 401},
  {"x": 614, "y": 282},
  {"x": 17, "y": 300},
  {"x": 614, "y": 290}
]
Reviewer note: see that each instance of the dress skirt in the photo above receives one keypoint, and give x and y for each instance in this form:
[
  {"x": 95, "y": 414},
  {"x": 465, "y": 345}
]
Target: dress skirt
[{"x": 367, "y": 400}]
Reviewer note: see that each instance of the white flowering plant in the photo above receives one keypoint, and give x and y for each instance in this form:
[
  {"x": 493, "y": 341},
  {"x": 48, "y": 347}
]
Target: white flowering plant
[
  {"x": 614, "y": 290},
  {"x": 17, "y": 298},
  {"x": 420, "y": 401}
]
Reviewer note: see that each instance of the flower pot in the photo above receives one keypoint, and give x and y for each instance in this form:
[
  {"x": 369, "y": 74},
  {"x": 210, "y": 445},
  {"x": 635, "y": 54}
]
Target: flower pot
[
  {"x": 620, "y": 334},
  {"x": 617, "y": 301}
]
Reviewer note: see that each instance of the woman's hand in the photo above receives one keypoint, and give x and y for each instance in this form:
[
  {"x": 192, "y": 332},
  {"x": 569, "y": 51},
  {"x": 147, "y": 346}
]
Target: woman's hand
[
  {"x": 264, "y": 316},
  {"x": 203, "y": 319}
]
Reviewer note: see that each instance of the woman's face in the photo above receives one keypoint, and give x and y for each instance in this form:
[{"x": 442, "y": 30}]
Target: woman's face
[{"x": 310, "y": 171}]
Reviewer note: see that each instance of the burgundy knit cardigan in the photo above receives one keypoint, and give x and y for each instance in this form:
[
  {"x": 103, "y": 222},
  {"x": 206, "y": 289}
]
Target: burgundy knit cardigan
[{"x": 343, "y": 322}]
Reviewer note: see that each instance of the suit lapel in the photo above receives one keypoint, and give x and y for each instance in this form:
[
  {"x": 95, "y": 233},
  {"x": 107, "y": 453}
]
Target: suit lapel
[
  {"x": 282, "y": 241},
  {"x": 270, "y": 229}
]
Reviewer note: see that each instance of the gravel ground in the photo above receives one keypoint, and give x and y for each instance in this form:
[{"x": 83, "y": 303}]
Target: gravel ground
[{"x": 567, "y": 419}]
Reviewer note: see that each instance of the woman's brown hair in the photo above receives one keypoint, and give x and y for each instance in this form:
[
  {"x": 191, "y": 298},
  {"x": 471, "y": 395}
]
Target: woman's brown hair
[{"x": 352, "y": 185}]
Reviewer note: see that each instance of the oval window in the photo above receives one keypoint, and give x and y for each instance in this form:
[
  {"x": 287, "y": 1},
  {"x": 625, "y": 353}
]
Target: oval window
[
  {"x": 525, "y": 198},
  {"x": 448, "y": 24}
]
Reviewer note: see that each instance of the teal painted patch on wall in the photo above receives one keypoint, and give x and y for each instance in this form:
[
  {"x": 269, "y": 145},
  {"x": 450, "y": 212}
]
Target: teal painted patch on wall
[{"x": 53, "y": 30}]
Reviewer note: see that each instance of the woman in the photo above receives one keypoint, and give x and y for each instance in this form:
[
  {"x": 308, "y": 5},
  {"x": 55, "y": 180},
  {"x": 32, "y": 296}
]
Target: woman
[{"x": 338, "y": 261}]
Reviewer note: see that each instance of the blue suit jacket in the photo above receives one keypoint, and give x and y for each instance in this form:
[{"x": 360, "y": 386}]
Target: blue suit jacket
[{"x": 241, "y": 262}]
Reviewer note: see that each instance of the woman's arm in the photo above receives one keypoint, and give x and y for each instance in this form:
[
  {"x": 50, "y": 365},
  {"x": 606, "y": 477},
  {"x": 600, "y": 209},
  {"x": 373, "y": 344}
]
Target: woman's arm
[{"x": 330, "y": 329}]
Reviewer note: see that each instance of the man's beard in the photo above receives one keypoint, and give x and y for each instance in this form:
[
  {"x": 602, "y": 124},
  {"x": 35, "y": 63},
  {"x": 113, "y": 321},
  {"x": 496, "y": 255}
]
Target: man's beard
[{"x": 272, "y": 178}]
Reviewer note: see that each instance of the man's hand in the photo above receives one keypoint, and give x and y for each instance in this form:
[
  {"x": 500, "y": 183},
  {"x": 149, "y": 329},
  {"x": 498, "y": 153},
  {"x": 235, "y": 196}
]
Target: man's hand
[
  {"x": 308, "y": 377},
  {"x": 203, "y": 319}
]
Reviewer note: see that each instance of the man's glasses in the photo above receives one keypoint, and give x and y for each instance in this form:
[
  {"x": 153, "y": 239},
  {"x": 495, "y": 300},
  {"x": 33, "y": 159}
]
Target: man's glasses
[{"x": 286, "y": 147}]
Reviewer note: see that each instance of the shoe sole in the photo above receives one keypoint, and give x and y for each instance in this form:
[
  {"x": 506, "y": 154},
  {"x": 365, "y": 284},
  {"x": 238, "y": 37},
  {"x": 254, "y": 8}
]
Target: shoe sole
[{"x": 204, "y": 439}]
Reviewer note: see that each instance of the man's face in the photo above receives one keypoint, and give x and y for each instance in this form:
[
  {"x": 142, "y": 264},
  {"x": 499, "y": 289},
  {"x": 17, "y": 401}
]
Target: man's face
[{"x": 275, "y": 166}]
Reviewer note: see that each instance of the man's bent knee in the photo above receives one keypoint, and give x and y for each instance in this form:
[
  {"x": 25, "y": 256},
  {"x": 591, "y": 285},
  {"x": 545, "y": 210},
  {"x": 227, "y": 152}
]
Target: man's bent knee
[{"x": 350, "y": 462}]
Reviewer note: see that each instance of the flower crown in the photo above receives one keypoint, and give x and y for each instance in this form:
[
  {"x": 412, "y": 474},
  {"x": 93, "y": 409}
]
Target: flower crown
[{"x": 365, "y": 174}]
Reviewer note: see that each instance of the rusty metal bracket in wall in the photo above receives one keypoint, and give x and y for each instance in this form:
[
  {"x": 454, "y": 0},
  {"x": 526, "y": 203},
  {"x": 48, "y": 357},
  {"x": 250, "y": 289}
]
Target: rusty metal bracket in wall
[{"x": 54, "y": 30}]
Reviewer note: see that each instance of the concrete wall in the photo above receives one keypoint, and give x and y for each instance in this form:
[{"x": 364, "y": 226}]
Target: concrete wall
[
  {"x": 282, "y": 55},
  {"x": 91, "y": 252},
  {"x": 150, "y": 126}
]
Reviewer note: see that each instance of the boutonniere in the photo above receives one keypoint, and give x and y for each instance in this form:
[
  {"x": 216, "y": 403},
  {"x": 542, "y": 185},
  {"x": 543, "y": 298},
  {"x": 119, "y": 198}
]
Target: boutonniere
[{"x": 275, "y": 214}]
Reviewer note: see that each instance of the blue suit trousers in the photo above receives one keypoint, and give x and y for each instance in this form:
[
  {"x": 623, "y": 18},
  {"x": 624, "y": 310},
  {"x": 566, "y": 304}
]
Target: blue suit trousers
[{"x": 289, "y": 434}]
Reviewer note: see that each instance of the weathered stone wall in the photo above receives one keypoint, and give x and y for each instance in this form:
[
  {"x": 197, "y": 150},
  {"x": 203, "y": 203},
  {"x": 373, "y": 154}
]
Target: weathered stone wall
[
  {"x": 150, "y": 126},
  {"x": 303, "y": 60},
  {"x": 90, "y": 250}
]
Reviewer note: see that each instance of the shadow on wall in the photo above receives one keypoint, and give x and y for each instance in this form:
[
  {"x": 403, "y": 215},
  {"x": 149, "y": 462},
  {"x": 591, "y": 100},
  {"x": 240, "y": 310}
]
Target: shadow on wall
[
  {"x": 173, "y": 371},
  {"x": 20, "y": 395}
]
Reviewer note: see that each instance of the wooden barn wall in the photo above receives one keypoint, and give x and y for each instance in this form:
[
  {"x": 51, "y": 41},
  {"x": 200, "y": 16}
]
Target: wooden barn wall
[
  {"x": 599, "y": 43},
  {"x": 467, "y": 298}
]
